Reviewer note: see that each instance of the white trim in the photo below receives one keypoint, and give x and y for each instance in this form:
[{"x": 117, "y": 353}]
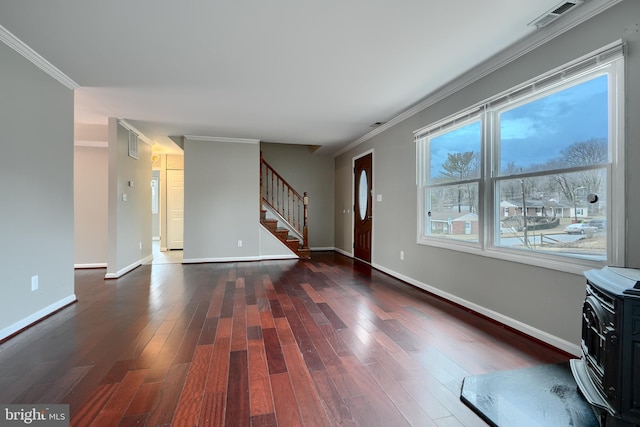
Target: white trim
[
  {"x": 128, "y": 268},
  {"x": 320, "y": 249},
  {"x": 221, "y": 139},
  {"x": 35, "y": 317},
  {"x": 343, "y": 252},
  {"x": 128, "y": 126},
  {"x": 93, "y": 144},
  {"x": 238, "y": 259},
  {"x": 541, "y": 36},
  {"x": 34, "y": 57},
  {"x": 498, "y": 317},
  {"x": 94, "y": 265}
]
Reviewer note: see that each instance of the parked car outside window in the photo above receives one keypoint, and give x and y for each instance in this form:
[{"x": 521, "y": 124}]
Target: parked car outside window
[
  {"x": 598, "y": 223},
  {"x": 580, "y": 228}
]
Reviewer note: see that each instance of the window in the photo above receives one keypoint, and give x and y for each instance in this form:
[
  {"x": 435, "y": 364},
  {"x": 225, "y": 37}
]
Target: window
[{"x": 533, "y": 175}]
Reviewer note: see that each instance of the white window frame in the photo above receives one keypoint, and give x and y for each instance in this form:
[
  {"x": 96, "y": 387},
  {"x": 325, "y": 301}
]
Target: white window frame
[{"x": 607, "y": 60}]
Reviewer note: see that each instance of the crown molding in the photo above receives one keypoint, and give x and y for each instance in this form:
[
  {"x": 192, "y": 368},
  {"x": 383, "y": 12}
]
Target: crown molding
[
  {"x": 221, "y": 139},
  {"x": 125, "y": 124},
  {"x": 539, "y": 37},
  {"x": 19, "y": 46}
]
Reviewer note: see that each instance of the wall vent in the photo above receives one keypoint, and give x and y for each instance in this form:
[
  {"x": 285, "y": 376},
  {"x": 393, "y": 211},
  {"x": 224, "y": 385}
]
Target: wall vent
[{"x": 554, "y": 13}]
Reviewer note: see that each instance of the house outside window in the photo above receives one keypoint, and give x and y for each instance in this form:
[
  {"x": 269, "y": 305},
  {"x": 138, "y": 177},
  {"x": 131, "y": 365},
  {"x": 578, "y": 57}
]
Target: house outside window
[{"x": 505, "y": 178}]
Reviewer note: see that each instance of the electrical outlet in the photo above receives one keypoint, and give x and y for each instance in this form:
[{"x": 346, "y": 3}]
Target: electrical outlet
[
  {"x": 239, "y": 243},
  {"x": 401, "y": 255},
  {"x": 140, "y": 245},
  {"x": 34, "y": 283}
]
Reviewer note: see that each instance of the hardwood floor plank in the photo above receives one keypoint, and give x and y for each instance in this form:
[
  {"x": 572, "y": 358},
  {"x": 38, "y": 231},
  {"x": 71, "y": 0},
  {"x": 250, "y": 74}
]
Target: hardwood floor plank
[
  {"x": 169, "y": 394},
  {"x": 331, "y": 315},
  {"x": 284, "y": 331},
  {"x": 119, "y": 401},
  {"x": 188, "y": 410},
  {"x": 144, "y": 400},
  {"x": 238, "y": 404},
  {"x": 208, "y": 333},
  {"x": 266, "y": 320},
  {"x": 227, "y": 303},
  {"x": 363, "y": 412},
  {"x": 264, "y": 420},
  {"x": 336, "y": 341},
  {"x": 308, "y": 350},
  {"x": 386, "y": 411},
  {"x": 40, "y": 374},
  {"x": 216, "y": 381},
  {"x": 253, "y": 315},
  {"x": 260, "y": 395},
  {"x": 139, "y": 420},
  {"x": 313, "y": 293},
  {"x": 338, "y": 413},
  {"x": 273, "y": 350},
  {"x": 239, "y": 330},
  {"x": 213, "y": 414},
  {"x": 309, "y": 403},
  {"x": 58, "y": 390},
  {"x": 287, "y": 412},
  {"x": 85, "y": 415}
]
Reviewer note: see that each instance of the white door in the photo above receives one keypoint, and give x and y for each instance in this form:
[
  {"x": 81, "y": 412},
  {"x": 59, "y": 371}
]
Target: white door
[{"x": 175, "y": 209}]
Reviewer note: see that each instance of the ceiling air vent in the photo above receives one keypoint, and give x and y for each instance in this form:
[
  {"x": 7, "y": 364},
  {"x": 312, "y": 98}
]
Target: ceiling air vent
[{"x": 554, "y": 13}]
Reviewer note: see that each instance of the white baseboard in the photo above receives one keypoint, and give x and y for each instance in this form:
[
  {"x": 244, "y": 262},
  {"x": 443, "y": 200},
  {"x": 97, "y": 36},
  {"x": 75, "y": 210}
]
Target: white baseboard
[
  {"x": 238, "y": 259},
  {"x": 345, "y": 253},
  {"x": 94, "y": 265},
  {"x": 38, "y": 315},
  {"x": 318, "y": 249},
  {"x": 498, "y": 317},
  {"x": 122, "y": 271}
]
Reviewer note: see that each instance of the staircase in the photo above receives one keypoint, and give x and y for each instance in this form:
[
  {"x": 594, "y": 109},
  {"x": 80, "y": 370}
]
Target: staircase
[
  {"x": 282, "y": 234},
  {"x": 288, "y": 206}
]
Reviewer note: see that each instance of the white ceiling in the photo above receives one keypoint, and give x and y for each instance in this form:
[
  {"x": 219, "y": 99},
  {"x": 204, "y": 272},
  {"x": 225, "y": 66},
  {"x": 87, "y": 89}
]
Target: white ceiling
[{"x": 291, "y": 71}]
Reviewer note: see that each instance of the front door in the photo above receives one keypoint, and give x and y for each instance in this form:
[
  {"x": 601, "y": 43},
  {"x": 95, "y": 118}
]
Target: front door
[{"x": 363, "y": 212}]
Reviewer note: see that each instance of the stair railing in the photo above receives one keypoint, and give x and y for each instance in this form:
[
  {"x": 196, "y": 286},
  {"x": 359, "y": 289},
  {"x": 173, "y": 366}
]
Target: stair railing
[{"x": 285, "y": 201}]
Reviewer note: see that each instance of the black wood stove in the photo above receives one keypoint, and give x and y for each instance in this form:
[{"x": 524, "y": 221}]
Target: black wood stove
[{"x": 608, "y": 373}]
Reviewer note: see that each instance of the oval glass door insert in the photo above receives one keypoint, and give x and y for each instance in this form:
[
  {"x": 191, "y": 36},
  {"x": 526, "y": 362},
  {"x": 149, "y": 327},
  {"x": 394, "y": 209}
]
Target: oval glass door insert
[{"x": 363, "y": 198}]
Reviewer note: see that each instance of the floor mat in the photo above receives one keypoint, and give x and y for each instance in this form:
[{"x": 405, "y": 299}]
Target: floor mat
[{"x": 544, "y": 396}]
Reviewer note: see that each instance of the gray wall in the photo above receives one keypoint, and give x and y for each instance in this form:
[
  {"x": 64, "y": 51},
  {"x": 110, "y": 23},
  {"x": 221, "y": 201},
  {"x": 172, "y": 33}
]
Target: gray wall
[
  {"x": 313, "y": 173},
  {"x": 129, "y": 221},
  {"x": 36, "y": 168},
  {"x": 545, "y": 303},
  {"x": 91, "y": 171},
  {"x": 221, "y": 200}
]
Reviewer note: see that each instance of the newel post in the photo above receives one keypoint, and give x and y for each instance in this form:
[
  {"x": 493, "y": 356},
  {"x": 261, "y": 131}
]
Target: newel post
[{"x": 305, "y": 234}]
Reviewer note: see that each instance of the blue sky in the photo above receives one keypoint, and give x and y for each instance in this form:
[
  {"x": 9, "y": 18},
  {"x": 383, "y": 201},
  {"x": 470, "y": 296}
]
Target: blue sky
[{"x": 536, "y": 131}]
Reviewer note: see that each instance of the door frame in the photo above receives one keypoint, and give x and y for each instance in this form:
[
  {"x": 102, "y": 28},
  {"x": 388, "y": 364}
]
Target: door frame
[{"x": 354, "y": 201}]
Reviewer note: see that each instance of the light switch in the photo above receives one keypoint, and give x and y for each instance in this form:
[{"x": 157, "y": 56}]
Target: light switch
[{"x": 379, "y": 197}]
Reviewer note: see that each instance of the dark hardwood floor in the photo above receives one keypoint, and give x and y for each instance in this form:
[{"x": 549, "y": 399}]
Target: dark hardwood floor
[{"x": 323, "y": 342}]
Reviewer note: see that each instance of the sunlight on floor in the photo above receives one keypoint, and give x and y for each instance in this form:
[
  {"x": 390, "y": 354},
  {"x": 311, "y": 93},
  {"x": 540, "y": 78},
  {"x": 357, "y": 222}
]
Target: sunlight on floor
[{"x": 167, "y": 257}]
